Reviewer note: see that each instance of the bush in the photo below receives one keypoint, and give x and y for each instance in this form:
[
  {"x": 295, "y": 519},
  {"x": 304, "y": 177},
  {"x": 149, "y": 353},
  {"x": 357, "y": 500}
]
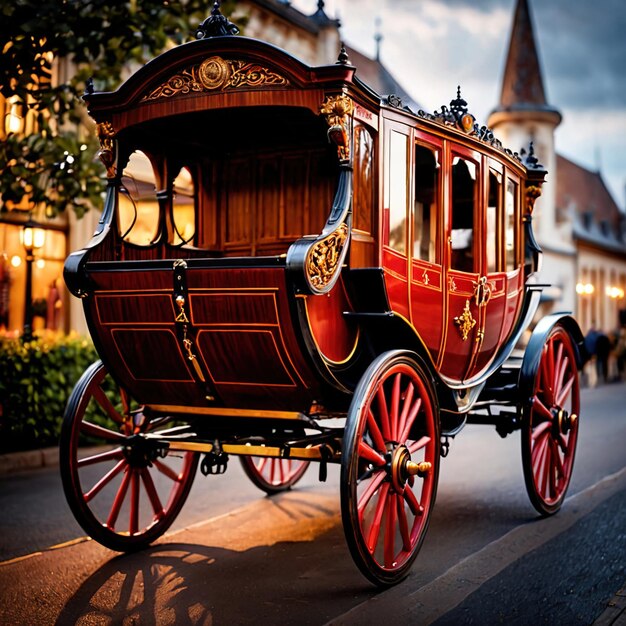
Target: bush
[{"x": 36, "y": 379}]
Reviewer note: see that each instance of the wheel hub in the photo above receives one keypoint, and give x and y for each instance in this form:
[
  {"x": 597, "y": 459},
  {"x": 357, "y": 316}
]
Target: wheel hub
[
  {"x": 564, "y": 420},
  {"x": 402, "y": 468},
  {"x": 140, "y": 452}
]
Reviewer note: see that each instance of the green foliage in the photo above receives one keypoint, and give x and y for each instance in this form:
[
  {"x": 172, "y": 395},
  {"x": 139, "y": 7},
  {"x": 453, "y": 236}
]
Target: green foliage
[
  {"x": 55, "y": 167},
  {"x": 36, "y": 379}
]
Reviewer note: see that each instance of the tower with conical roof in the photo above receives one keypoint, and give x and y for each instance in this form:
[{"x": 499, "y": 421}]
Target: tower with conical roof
[{"x": 524, "y": 115}]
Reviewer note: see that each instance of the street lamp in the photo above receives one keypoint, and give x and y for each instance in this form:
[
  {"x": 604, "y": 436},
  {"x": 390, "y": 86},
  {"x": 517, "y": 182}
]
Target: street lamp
[{"x": 32, "y": 238}]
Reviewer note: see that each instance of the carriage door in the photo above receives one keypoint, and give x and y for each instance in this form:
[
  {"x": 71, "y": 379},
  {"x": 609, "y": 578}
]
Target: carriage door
[
  {"x": 503, "y": 263},
  {"x": 395, "y": 217},
  {"x": 426, "y": 271},
  {"x": 464, "y": 240}
]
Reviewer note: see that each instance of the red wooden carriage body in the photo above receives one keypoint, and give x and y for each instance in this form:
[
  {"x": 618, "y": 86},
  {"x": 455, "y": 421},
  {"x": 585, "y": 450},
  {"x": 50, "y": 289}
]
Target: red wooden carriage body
[{"x": 346, "y": 282}]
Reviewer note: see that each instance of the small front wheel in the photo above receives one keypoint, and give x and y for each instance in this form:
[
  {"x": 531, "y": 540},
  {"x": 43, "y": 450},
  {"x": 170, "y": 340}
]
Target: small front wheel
[
  {"x": 123, "y": 488},
  {"x": 390, "y": 466},
  {"x": 273, "y": 475},
  {"x": 550, "y": 423}
]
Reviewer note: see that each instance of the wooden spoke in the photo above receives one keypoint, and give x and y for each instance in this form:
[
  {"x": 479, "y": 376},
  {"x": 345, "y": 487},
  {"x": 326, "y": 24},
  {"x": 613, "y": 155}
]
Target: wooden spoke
[
  {"x": 390, "y": 531},
  {"x": 134, "y": 503},
  {"x": 383, "y": 413},
  {"x": 406, "y": 406},
  {"x": 153, "y": 496},
  {"x": 168, "y": 471},
  {"x": 370, "y": 490},
  {"x": 100, "y": 432},
  {"x": 103, "y": 400},
  {"x": 565, "y": 391},
  {"x": 419, "y": 444},
  {"x": 119, "y": 500},
  {"x": 395, "y": 406},
  {"x": 369, "y": 454},
  {"x": 375, "y": 433},
  {"x": 111, "y": 455},
  {"x": 403, "y": 525},
  {"x": 374, "y": 530},
  {"x": 104, "y": 481}
]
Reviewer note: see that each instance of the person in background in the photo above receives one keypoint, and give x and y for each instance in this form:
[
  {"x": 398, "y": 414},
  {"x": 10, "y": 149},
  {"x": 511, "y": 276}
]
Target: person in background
[
  {"x": 603, "y": 349},
  {"x": 591, "y": 340}
]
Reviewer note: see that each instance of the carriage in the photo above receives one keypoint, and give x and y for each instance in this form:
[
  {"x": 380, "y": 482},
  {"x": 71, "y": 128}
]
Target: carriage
[{"x": 291, "y": 269}]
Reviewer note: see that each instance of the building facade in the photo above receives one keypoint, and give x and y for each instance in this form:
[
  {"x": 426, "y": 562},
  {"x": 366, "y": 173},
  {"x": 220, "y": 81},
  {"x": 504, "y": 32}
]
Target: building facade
[{"x": 577, "y": 223}]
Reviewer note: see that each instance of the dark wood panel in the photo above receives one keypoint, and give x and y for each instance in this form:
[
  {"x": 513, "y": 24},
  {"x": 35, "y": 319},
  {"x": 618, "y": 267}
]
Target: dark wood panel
[
  {"x": 244, "y": 356},
  {"x": 233, "y": 308}
]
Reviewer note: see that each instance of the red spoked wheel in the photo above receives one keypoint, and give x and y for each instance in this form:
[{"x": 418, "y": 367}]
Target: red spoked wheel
[
  {"x": 390, "y": 466},
  {"x": 123, "y": 487},
  {"x": 273, "y": 475},
  {"x": 550, "y": 423}
]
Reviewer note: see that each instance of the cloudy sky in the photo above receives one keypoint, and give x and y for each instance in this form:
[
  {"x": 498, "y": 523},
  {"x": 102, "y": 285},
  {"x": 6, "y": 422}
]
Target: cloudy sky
[{"x": 431, "y": 46}]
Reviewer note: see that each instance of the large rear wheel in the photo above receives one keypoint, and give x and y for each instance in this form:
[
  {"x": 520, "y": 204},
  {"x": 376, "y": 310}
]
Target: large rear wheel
[
  {"x": 390, "y": 466},
  {"x": 124, "y": 488},
  {"x": 550, "y": 423}
]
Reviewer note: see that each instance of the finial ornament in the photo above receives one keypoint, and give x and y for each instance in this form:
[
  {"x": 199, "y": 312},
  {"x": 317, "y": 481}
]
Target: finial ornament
[
  {"x": 216, "y": 25},
  {"x": 343, "y": 58}
]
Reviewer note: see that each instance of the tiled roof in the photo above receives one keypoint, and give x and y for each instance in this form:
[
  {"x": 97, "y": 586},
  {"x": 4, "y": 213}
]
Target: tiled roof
[
  {"x": 582, "y": 195},
  {"x": 374, "y": 74}
]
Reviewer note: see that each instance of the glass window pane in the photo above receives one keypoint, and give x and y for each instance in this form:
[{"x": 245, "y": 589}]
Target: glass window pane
[
  {"x": 183, "y": 208},
  {"x": 510, "y": 211},
  {"x": 138, "y": 209},
  {"x": 397, "y": 191},
  {"x": 427, "y": 172},
  {"x": 463, "y": 208},
  {"x": 493, "y": 211}
]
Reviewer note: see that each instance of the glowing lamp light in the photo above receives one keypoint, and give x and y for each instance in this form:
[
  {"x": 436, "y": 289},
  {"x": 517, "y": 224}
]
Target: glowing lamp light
[
  {"x": 16, "y": 261},
  {"x": 32, "y": 238},
  {"x": 14, "y": 122},
  {"x": 616, "y": 293},
  {"x": 584, "y": 289}
]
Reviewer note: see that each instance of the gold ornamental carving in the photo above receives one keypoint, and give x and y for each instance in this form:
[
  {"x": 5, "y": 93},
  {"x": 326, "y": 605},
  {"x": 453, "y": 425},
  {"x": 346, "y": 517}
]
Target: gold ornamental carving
[
  {"x": 324, "y": 256},
  {"x": 465, "y": 321},
  {"x": 106, "y": 134},
  {"x": 337, "y": 110},
  {"x": 217, "y": 73},
  {"x": 532, "y": 193}
]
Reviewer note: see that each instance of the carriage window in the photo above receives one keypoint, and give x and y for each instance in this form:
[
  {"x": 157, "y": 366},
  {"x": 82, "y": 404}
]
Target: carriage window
[
  {"x": 463, "y": 207},
  {"x": 397, "y": 190},
  {"x": 427, "y": 172},
  {"x": 363, "y": 179},
  {"x": 493, "y": 211},
  {"x": 510, "y": 211},
  {"x": 183, "y": 208},
  {"x": 138, "y": 209}
]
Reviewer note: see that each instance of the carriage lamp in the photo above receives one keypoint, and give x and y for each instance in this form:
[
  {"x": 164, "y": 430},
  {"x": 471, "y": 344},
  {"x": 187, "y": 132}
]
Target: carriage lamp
[
  {"x": 584, "y": 289},
  {"x": 616, "y": 293},
  {"x": 32, "y": 238}
]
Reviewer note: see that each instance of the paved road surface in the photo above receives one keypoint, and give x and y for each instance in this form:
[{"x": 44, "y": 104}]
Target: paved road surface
[{"x": 236, "y": 557}]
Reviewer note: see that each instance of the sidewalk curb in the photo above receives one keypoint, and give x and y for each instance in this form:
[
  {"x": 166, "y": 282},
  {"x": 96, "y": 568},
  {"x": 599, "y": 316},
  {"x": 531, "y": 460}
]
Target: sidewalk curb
[{"x": 13, "y": 462}]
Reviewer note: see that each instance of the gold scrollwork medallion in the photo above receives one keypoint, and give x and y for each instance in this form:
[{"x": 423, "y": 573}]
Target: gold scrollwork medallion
[
  {"x": 216, "y": 73},
  {"x": 465, "y": 321},
  {"x": 323, "y": 257}
]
